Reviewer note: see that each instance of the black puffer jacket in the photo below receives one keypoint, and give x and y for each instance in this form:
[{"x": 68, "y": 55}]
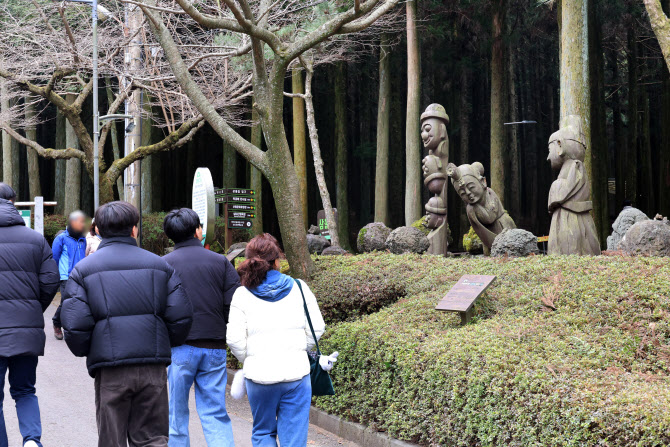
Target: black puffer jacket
[
  {"x": 28, "y": 282},
  {"x": 124, "y": 306}
]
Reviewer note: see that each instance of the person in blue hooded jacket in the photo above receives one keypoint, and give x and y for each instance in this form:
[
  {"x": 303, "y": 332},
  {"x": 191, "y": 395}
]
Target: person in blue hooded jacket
[{"x": 68, "y": 248}]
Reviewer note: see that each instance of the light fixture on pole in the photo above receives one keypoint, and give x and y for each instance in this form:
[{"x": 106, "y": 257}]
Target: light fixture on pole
[{"x": 96, "y": 120}]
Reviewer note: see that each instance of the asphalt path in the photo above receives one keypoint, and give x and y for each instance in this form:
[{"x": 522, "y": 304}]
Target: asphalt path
[{"x": 67, "y": 404}]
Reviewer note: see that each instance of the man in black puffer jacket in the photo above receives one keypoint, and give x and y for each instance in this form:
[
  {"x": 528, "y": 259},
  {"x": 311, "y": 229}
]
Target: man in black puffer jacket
[
  {"x": 29, "y": 281},
  {"x": 123, "y": 309}
]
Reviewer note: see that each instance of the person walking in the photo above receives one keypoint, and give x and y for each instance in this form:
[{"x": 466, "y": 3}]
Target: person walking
[
  {"x": 124, "y": 308},
  {"x": 210, "y": 280},
  {"x": 93, "y": 239},
  {"x": 69, "y": 248},
  {"x": 269, "y": 333},
  {"x": 29, "y": 278}
]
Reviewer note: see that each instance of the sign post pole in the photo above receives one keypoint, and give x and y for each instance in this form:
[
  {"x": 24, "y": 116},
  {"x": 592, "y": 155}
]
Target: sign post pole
[{"x": 39, "y": 215}]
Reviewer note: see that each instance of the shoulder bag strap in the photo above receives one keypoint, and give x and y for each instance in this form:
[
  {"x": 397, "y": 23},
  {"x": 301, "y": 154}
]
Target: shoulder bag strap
[{"x": 309, "y": 320}]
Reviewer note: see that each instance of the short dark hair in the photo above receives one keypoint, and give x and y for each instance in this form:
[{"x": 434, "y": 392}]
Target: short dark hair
[
  {"x": 180, "y": 225},
  {"x": 7, "y": 192},
  {"x": 116, "y": 219}
]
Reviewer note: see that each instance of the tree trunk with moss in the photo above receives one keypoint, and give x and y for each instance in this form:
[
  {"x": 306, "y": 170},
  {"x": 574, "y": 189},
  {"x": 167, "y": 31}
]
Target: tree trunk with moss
[
  {"x": 33, "y": 160},
  {"x": 631, "y": 149},
  {"x": 341, "y": 154},
  {"x": 661, "y": 26},
  {"x": 299, "y": 140},
  {"x": 664, "y": 159},
  {"x": 383, "y": 118},
  {"x": 499, "y": 155},
  {"x": 413, "y": 182},
  {"x": 72, "y": 200},
  {"x": 256, "y": 176},
  {"x": 59, "y": 165},
  {"x": 599, "y": 144}
]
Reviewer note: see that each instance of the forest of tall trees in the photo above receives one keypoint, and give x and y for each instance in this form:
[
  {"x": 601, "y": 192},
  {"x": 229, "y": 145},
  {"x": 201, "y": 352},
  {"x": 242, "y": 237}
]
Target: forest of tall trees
[{"x": 488, "y": 62}]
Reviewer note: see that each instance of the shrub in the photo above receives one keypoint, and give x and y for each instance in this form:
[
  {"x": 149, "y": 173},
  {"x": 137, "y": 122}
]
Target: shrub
[
  {"x": 348, "y": 290},
  {"x": 594, "y": 372},
  {"x": 53, "y": 224}
]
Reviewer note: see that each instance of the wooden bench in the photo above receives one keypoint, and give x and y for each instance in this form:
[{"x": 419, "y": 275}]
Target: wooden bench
[{"x": 461, "y": 298}]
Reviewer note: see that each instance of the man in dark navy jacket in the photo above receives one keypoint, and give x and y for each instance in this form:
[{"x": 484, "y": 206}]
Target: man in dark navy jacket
[
  {"x": 29, "y": 279},
  {"x": 210, "y": 281},
  {"x": 123, "y": 309}
]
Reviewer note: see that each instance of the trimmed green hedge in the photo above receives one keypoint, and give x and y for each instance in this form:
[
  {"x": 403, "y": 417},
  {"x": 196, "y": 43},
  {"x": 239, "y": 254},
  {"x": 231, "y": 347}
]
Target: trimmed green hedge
[
  {"x": 153, "y": 237},
  {"x": 594, "y": 372}
]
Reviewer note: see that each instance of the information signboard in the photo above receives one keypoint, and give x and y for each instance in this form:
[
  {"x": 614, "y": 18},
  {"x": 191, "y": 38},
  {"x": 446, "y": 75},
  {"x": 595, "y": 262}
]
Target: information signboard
[
  {"x": 323, "y": 222},
  {"x": 203, "y": 202},
  {"x": 25, "y": 215},
  {"x": 240, "y": 207},
  {"x": 463, "y": 295},
  {"x": 239, "y": 223}
]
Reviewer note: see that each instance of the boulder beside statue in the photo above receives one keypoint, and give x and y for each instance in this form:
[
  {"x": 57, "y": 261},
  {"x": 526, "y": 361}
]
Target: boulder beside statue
[
  {"x": 572, "y": 231},
  {"x": 434, "y": 122},
  {"x": 485, "y": 211}
]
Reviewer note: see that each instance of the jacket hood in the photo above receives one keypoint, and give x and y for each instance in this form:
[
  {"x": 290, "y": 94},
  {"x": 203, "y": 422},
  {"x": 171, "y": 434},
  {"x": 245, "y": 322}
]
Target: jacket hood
[
  {"x": 9, "y": 216},
  {"x": 275, "y": 287}
]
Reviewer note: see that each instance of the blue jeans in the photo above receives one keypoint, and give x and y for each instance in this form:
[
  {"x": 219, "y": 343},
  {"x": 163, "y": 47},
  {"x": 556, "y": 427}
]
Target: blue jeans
[
  {"x": 280, "y": 410},
  {"x": 22, "y": 377},
  {"x": 207, "y": 369}
]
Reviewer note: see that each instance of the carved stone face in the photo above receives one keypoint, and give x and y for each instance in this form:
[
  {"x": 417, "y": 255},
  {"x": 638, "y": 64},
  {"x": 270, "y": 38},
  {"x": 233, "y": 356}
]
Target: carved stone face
[
  {"x": 431, "y": 133},
  {"x": 471, "y": 189},
  {"x": 555, "y": 154}
]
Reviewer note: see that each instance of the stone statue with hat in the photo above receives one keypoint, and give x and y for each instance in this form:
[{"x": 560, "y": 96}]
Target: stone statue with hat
[
  {"x": 573, "y": 231},
  {"x": 484, "y": 209},
  {"x": 434, "y": 122}
]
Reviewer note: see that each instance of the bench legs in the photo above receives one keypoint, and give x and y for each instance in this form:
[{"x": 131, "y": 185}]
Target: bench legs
[{"x": 467, "y": 316}]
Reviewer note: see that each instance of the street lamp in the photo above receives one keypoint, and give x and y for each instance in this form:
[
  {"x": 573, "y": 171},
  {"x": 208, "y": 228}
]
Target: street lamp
[{"x": 96, "y": 114}]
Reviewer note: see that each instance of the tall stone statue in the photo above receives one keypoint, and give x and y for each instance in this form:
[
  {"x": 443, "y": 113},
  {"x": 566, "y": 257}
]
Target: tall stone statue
[
  {"x": 434, "y": 122},
  {"x": 485, "y": 210},
  {"x": 573, "y": 231}
]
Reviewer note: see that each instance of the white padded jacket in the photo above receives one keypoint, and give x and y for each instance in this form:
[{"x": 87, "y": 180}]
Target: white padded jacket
[{"x": 272, "y": 338}]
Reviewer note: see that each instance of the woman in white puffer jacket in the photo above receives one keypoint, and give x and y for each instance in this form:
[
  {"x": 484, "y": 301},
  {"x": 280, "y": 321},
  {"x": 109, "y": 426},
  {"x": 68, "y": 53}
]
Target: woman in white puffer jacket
[{"x": 269, "y": 333}]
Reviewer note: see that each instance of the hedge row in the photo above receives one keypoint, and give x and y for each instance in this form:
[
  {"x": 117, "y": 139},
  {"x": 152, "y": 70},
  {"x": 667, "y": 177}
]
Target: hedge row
[
  {"x": 153, "y": 237},
  {"x": 594, "y": 372}
]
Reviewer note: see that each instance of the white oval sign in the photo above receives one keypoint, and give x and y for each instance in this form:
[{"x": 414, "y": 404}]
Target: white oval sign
[{"x": 203, "y": 203}]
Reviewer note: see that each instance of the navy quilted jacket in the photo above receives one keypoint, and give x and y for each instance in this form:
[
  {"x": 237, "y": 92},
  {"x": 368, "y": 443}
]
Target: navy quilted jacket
[
  {"x": 124, "y": 305},
  {"x": 28, "y": 282}
]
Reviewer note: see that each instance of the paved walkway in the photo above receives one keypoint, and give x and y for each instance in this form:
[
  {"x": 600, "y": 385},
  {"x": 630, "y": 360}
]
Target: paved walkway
[{"x": 65, "y": 391}]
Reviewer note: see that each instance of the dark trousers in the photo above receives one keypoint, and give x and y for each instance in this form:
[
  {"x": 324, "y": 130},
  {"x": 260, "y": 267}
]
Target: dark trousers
[
  {"x": 56, "y": 317},
  {"x": 22, "y": 377},
  {"x": 132, "y": 406}
]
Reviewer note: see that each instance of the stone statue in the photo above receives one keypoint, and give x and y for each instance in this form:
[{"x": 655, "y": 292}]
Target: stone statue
[
  {"x": 573, "y": 231},
  {"x": 484, "y": 209},
  {"x": 434, "y": 122}
]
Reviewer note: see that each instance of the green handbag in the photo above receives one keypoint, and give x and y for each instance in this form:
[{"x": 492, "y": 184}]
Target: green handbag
[{"x": 321, "y": 383}]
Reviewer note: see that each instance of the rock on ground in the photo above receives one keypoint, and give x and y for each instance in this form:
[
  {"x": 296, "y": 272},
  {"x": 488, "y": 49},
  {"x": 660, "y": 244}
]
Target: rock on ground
[
  {"x": 647, "y": 238},
  {"x": 317, "y": 243},
  {"x": 626, "y": 219},
  {"x": 407, "y": 240},
  {"x": 373, "y": 237},
  {"x": 334, "y": 250},
  {"x": 237, "y": 246},
  {"x": 514, "y": 243}
]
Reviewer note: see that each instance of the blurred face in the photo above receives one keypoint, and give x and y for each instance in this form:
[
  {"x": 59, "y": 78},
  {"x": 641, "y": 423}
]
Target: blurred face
[
  {"x": 471, "y": 190},
  {"x": 78, "y": 224}
]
